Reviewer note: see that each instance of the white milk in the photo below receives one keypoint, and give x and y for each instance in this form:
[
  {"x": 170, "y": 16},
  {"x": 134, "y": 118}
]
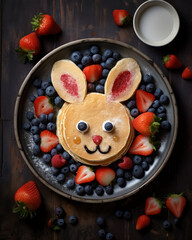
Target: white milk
[{"x": 156, "y": 23}]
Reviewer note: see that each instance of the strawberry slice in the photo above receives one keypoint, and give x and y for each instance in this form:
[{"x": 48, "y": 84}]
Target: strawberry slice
[
  {"x": 144, "y": 100},
  {"x": 141, "y": 146},
  {"x": 42, "y": 105},
  {"x": 176, "y": 204},
  {"x": 152, "y": 206},
  {"x": 121, "y": 17},
  {"x": 93, "y": 72},
  {"x": 84, "y": 175},
  {"x": 104, "y": 175},
  {"x": 125, "y": 163},
  {"x": 58, "y": 161},
  {"x": 143, "y": 221},
  {"x": 48, "y": 141}
]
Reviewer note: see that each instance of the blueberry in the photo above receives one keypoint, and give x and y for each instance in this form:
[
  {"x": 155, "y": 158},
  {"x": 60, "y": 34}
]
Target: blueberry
[
  {"x": 116, "y": 56},
  {"x": 65, "y": 169},
  {"x": 50, "y": 91},
  {"x": 164, "y": 99},
  {"x": 40, "y": 92},
  {"x": 105, "y": 72},
  {"x": 110, "y": 63},
  {"x": 60, "y": 178},
  {"x": 121, "y": 182},
  {"x": 87, "y": 53},
  {"x": 156, "y": 104},
  {"x": 134, "y": 112},
  {"x": 100, "y": 88},
  {"x": 61, "y": 222},
  {"x": 58, "y": 101},
  {"x": 59, "y": 211},
  {"x": 161, "y": 109},
  {"x": 151, "y": 109},
  {"x": 50, "y": 80},
  {"x": 138, "y": 171},
  {"x": 46, "y": 158},
  {"x": 51, "y": 126},
  {"x": 53, "y": 152},
  {"x": 91, "y": 87},
  {"x": 54, "y": 171},
  {"x": 142, "y": 87},
  {"x": 73, "y": 220},
  {"x": 163, "y": 116},
  {"x": 89, "y": 189},
  {"x": 29, "y": 115},
  {"x": 32, "y": 98},
  {"x": 71, "y": 161},
  {"x": 145, "y": 165},
  {"x": 127, "y": 215},
  {"x": 101, "y": 233},
  {"x": 109, "y": 236},
  {"x": 73, "y": 168},
  {"x": 100, "y": 221},
  {"x": 102, "y": 81},
  {"x": 36, "y": 138},
  {"x": 59, "y": 148},
  {"x": 94, "y": 49},
  {"x": 37, "y": 83},
  {"x": 44, "y": 85},
  {"x": 108, "y": 53},
  {"x": 66, "y": 155},
  {"x": 167, "y": 225},
  {"x": 102, "y": 64},
  {"x": 148, "y": 78},
  {"x": 36, "y": 150},
  {"x": 42, "y": 127},
  {"x": 86, "y": 60},
  {"x": 70, "y": 183},
  {"x": 35, "y": 122},
  {"x": 26, "y": 126},
  {"x": 96, "y": 58},
  {"x": 109, "y": 189},
  {"x": 149, "y": 160},
  {"x": 50, "y": 117},
  {"x": 43, "y": 118},
  {"x": 127, "y": 176},
  {"x": 165, "y": 125},
  {"x": 108, "y": 126},
  {"x": 34, "y": 130},
  {"x": 99, "y": 190},
  {"x": 137, "y": 159},
  {"x": 150, "y": 88},
  {"x": 176, "y": 221},
  {"x": 120, "y": 172},
  {"x": 131, "y": 104},
  {"x": 80, "y": 66},
  {"x": 80, "y": 190},
  {"x": 76, "y": 57},
  {"x": 158, "y": 92}
]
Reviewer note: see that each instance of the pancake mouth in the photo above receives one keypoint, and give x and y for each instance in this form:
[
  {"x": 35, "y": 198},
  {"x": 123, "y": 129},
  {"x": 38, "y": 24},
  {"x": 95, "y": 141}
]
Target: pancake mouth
[{"x": 97, "y": 148}]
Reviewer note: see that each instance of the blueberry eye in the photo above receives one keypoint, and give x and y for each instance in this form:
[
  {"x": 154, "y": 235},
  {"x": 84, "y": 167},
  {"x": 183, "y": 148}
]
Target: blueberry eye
[
  {"x": 82, "y": 126},
  {"x": 108, "y": 126}
]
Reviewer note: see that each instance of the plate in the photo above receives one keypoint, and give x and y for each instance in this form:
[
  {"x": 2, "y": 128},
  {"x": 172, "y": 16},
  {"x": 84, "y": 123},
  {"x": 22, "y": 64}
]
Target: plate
[{"x": 42, "y": 70}]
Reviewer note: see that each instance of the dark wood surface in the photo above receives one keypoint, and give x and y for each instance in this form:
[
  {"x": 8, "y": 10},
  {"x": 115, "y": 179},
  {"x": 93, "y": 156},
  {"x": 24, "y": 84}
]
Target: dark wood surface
[{"x": 84, "y": 19}]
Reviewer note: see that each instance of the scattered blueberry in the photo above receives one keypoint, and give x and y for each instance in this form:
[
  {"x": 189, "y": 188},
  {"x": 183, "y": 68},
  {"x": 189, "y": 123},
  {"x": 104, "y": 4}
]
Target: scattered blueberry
[
  {"x": 50, "y": 91},
  {"x": 94, "y": 49},
  {"x": 164, "y": 99},
  {"x": 127, "y": 175},
  {"x": 110, "y": 63},
  {"x": 99, "y": 190},
  {"x": 167, "y": 225},
  {"x": 102, "y": 81},
  {"x": 35, "y": 122},
  {"x": 108, "y": 53},
  {"x": 61, "y": 222},
  {"x": 40, "y": 92},
  {"x": 100, "y": 221},
  {"x": 76, "y": 57},
  {"x": 131, "y": 104},
  {"x": 100, "y": 88},
  {"x": 29, "y": 115},
  {"x": 43, "y": 118},
  {"x": 121, "y": 182},
  {"x": 73, "y": 168},
  {"x": 150, "y": 88},
  {"x": 34, "y": 130},
  {"x": 42, "y": 126},
  {"x": 109, "y": 189},
  {"x": 96, "y": 58},
  {"x": 165, "y": 125},
  {"x": 55, "y": 171},
  {"x": 109, "y": 236},
  {"x": 51, "y": 126},
  {"x": 156, "y": 104},
  {"x": 138, "y": 171},
  {"x": 65, "y": 169},
  {"x": 102, "y": 64},
  {"x": 26, "y": 126},
  {"x": 60, "y": 178},
  {"x": 91, "y": 87},
  {"x": 50, "y": 117},
  {"x": 66, "y": 155},
  {"x": 80, "y": 66},
  {"x": 36, "y": 138},
  {"x": 105, "y": 72},
  {"x": 176, "y": 221},
  {"x": 142, "y": 87},
  {"x": 32, "y": 98},
  {"x": 151, "y": 109},
  {"x": 47, "y": 158},
  {"x": 87, "y": 53},
  {"x": 70, "y": 183},
  {"x": 86, "y": 60},
  {"x": 148, "y": 78},
  {"x": 158, "y": 92},
  {"x": 80, "y": 190},
  {"x": 36, "y": 149},
  {"x": 71, "y": 161},
  {"x": 37, "y": 83},
  {"x": 73, "y": 220},
  {"x": 119, "y": 213},
  {"x": 163, "y": 116},
  {"x": 137, "y": 159},
  {"x": 161, "y": 109},
  {"x": 120, "y": 172},
  {"x": 127, "y": 215},
  {"x": 149, "y": 160},
  {"x": 59, "y": 148},
  {"x": 116, "y": 56},
  {"x": 89, "y": 189},
  {"x": 44, "y": 85},
  {"x": 145, "y": 165},
  {"x": 58, "y": 101},
  {"x": 53, "y": 152},
  {"x": 59, "y": 211},
  {"x": 101, "y": 233},
  {"x": 134, "y": 112}
]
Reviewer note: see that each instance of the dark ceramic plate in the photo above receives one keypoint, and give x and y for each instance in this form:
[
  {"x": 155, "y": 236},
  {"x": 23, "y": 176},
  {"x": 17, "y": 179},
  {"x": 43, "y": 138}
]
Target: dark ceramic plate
[{"x": 42, "y": 70}]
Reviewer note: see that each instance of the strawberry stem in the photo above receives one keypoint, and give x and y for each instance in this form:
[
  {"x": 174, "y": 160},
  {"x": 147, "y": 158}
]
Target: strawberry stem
[
  {"x": 24, "y": 54},
  {"x": 23, "y": 211},
  {"x": 36, "y": 21}
]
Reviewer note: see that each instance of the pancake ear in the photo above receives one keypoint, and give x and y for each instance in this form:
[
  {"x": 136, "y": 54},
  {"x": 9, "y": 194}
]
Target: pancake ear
[
  {"x": 122, "y": 80},
  {"x": 69, "y": 81}
]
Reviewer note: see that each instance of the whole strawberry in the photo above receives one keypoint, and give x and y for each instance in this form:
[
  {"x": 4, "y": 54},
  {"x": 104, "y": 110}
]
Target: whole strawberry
[
  {"x": 44, "y": 24},
  {"x": 187, "y": 73},
  {"x": 27, "y": 199},
  {"x": 121, "y": 17},
  {"x": 172, "y": 62},
  {"x": 29, "y": 46}
]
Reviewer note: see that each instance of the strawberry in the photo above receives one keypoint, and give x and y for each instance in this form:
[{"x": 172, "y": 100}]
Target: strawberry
[
  {"x": 141, "y": 146},
  {"x": 52, "y": 224},
  {"x": 172, "y": 62},
  {"x": 29, "y": 46},
  {"x": 125, "y": 163},
  {"x": 144, "y": 100},
  {"x": 58, "y": 161},
  {"x": 187, "y": 73},
  {"x": 42, "y": 105},
  {"x": 176, "y": 203},
  {"x": 48, "y": 141},
  {"x": 104, "y": 175},
  {"x": 84, "y": 175},
  {"x": 121, "y": 17},
  {"x": 27, "y": 199},
  {"x": 146, "y": 123},
  {"x": 152, "y": 206},
  {"x": 143, "y": 221},
  {"x": 93, "y": 72},
  {"x": 44, "y": 24}
]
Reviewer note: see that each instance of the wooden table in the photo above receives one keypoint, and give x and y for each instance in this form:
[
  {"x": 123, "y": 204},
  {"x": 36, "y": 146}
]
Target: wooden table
[{"x": 86, "y": 19}]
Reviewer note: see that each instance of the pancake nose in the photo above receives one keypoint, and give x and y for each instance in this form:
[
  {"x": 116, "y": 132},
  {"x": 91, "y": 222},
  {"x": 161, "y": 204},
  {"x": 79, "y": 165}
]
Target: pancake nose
[{"x": 97, "y": 139}]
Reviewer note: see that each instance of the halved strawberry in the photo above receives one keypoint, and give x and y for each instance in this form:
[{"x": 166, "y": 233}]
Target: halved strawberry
[
  {"x": 141, "y": 146},
  {"x": 58, "y": 161},
  {"x": 143, "y": 221},
  {"x": 42, "y": 105},
  {"x": 48, "y": 141},
  {"x": 105, "y": 175},
  {"x": 176, "y": 203},
  {"x": 121, "y": 17},
  {"x": 144, "y": 100},
  {"x": 125, "y": 163},
  {"x": 93, "y": 72},
  {"x": 84, "y": 175},
  {"x": 187, "y": 73},
  {"x": 152, "y": 206}
]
